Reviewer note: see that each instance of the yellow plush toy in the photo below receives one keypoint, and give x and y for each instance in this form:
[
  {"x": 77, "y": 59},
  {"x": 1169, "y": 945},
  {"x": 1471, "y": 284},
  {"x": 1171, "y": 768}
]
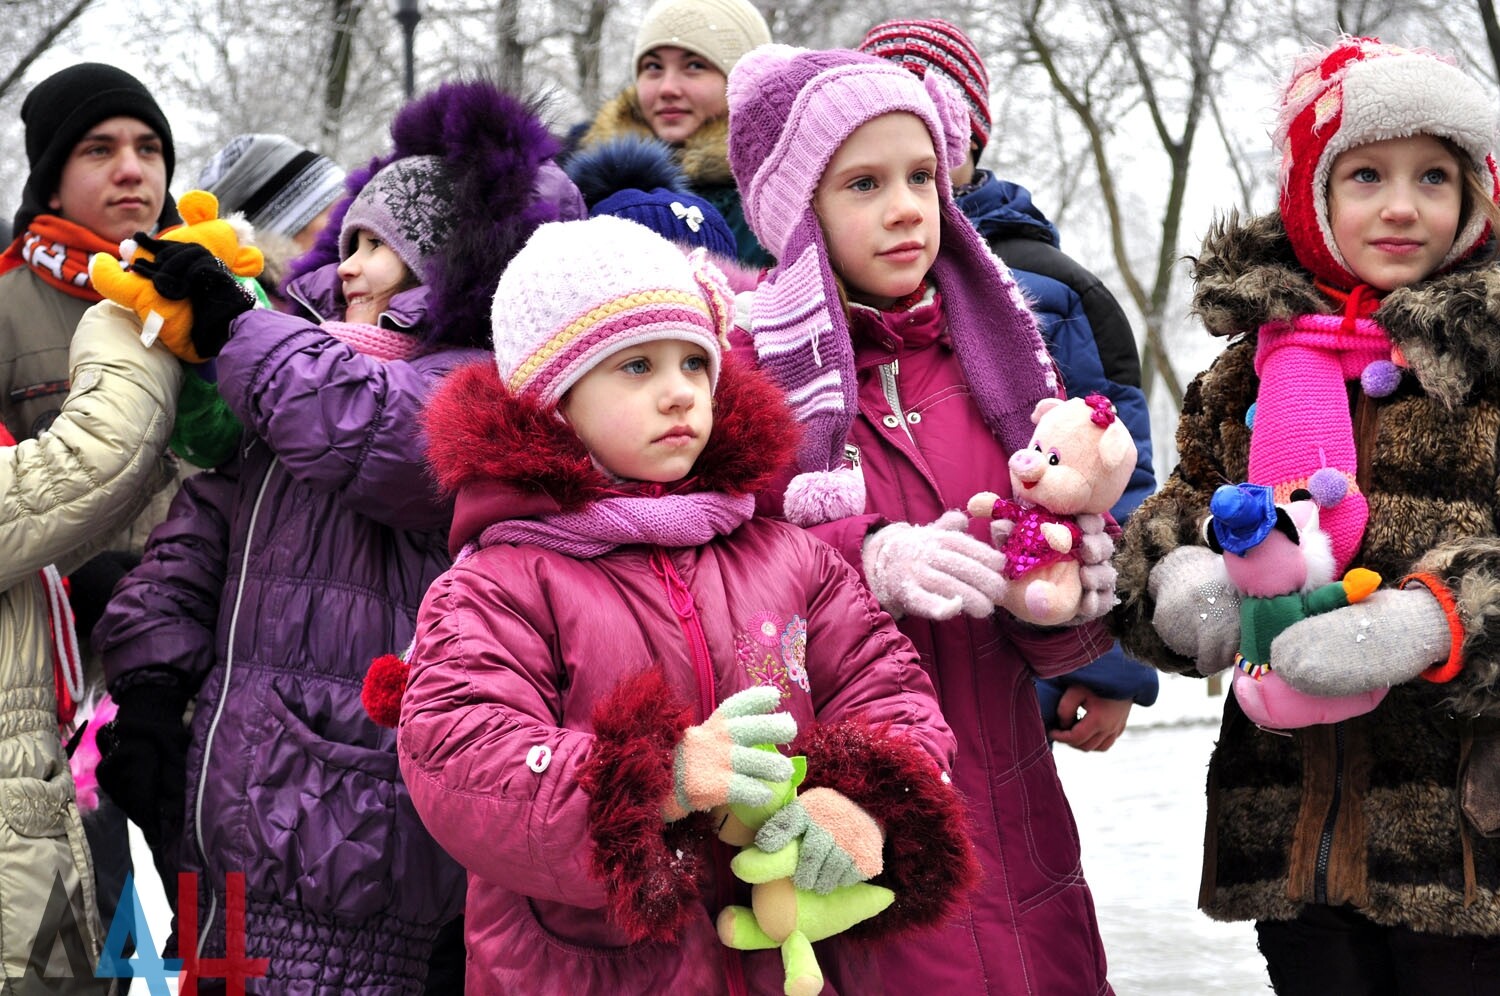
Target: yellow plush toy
[
  {"x": 780, "y": 915},
  {"x": 165, "y": 318}
]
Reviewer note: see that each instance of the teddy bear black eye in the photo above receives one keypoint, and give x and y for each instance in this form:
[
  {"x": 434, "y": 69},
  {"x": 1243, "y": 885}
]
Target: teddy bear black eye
[{"x": 1054, "y": 460}]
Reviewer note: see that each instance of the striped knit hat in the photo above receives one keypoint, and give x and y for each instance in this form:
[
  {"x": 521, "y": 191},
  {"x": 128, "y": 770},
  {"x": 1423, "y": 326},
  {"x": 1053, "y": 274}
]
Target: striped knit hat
[
  {"x": 789, "y": 111},
  {"x": 1358, "y": 91},
  {"x": 279, "y": 185},
  {"x": 579, "y": 291},
  {"x": 939, "y": 47}
]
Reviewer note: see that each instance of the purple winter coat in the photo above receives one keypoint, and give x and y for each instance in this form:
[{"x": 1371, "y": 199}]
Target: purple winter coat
[
  {"x": 279, "y": 576},
  {"x": 547, "y": 694},
  {"x": 1030, "y": 927}
]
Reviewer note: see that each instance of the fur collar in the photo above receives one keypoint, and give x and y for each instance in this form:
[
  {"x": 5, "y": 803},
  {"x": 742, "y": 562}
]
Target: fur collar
[
  {"x": 704, "y": 157},
  {"x": 480, "y": 436},
  {"x": 1448, "y": 326}
]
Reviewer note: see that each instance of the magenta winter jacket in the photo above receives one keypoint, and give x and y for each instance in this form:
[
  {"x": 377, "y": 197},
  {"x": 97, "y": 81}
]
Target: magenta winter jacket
[
  {"x": 924, "y": 449},
  {"x": 547, "y": 694}
]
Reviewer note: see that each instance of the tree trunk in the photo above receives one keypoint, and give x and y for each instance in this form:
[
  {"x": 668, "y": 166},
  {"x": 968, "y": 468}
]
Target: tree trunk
[
  {"x": 586, "y": 44},
  {"x": 345, "y": 14},
  {"x": 510, "y": 53}
]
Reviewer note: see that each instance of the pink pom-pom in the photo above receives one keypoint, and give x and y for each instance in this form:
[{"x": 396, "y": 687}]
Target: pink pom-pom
[
  {"x": 1380, "y": 378},
  {"x": 1328, "y": 487},
  {"x": 823, "y": 496}
]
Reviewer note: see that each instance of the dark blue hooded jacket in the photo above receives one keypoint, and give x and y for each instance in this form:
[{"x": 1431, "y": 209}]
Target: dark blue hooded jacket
[{"x": 1090, "y": 338}]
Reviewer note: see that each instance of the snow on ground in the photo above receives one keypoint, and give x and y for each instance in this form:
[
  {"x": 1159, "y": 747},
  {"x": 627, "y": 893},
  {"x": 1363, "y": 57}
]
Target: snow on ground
[{"x": 1140, "y": 811}]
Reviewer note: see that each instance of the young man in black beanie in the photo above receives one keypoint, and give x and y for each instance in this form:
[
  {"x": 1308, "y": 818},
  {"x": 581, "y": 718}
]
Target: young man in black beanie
[{"x": 101, "y": 156}]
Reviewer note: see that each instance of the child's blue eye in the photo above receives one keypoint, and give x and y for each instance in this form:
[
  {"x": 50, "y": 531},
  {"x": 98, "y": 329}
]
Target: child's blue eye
[
  {"x": 695, "y": 364},
  {"x": 863, "y": 185},
  {"x": 922, "y": 177},
  {"x": 1366, "y": 174},
  {"x": 1435, "y": 175},
  {"x": 635, "y": 366}
]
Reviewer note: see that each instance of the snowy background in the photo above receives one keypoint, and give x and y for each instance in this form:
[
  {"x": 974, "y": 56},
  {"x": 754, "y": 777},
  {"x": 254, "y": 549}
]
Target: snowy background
[{"x": 1140, "y": 809}]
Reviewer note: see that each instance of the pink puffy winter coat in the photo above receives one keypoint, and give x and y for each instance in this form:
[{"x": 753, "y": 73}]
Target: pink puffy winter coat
[{"x": 548, "y": 692}]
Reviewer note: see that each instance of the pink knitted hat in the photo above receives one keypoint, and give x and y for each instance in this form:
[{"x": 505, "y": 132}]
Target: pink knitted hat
[
  {"x": 579, "y": 291},
  {"x": 789, "y": 111},
  {"x": 1362, "y": 90}
]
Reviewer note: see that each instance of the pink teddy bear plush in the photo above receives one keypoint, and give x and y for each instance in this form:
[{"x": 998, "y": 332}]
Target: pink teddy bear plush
[{"x": 1075, "y": 468}]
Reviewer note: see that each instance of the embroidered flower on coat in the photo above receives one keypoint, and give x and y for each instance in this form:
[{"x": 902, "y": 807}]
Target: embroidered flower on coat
[
  {"x": 773, "y": 652},
  {"x": 794, "y": 652}
]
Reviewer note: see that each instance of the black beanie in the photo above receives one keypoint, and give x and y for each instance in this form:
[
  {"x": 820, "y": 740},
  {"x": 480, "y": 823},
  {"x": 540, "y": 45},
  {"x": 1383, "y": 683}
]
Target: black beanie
[{"x": 62, "y": 108}]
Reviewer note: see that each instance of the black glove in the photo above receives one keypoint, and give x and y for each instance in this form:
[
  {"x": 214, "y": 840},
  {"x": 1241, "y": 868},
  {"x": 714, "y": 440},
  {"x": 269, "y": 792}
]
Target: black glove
[
  {"x": 143, "y": 759},
  {"x": 187, "y": 271}
]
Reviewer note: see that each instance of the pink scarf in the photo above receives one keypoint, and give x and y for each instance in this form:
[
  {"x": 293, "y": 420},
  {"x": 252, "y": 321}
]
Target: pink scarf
[
  {"x": 668, "y": 520},
  {"x": 381, "y": 343},
  {"x": 1302, "y": 435}
]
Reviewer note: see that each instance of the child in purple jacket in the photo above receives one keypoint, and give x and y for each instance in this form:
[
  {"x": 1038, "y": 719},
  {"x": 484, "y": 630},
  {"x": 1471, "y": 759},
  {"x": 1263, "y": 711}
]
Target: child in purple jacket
[
  {"x": 619, "y": 630},
  {"x": 280, "y": 574}
]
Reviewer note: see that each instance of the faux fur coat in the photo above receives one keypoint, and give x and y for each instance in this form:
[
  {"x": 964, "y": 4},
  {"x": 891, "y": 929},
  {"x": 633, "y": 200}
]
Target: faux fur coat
[{"x": 1364, "y": 812}]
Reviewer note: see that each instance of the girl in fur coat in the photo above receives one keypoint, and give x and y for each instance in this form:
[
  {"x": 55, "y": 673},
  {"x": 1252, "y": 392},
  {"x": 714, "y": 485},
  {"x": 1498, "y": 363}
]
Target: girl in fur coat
[
  {"x": 617, "y": 631},
  {"x": 1362, "y": 372}
]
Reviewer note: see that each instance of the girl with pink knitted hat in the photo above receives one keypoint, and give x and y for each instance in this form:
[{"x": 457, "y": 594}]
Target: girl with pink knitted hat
[
  {"x": 619, "y": 631},
  {"x": 912, "y": 362},
  {"x": 1363, "y": 373}
]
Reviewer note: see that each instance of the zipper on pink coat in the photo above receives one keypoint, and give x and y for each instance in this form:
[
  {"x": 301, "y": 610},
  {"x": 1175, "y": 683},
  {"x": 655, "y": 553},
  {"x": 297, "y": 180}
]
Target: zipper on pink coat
[{"x": 681, "y": 601}]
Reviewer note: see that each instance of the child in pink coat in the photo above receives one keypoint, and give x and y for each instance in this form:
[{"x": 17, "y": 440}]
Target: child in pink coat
[{"x": 619, "y": 630}]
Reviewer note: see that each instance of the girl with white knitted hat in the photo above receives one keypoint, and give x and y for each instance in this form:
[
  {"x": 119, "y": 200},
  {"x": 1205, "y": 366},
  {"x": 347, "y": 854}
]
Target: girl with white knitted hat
[
  {"x": 1363, "y": 373},
  {"x": 683, "y": 54},
  {"x": 618, "y": 630}
]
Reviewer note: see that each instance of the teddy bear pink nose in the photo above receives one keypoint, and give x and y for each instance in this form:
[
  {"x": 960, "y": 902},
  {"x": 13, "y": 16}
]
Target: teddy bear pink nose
[{"x": 1027, "y": 465}]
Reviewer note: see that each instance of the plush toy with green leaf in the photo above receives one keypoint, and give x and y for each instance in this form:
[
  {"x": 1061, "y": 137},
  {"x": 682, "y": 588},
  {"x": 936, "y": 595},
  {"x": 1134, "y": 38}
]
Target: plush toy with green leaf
[{"x": 780, "y": 914}]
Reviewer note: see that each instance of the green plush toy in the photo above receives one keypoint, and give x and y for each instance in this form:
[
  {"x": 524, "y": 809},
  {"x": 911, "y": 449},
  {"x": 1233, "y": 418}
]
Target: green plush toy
[{"x": 780, "y": 915}]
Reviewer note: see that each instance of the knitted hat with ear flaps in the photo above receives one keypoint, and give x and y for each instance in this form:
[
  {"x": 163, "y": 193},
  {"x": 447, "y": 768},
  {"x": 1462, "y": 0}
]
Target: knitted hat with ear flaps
[
  {"x": 1358, "y": 91},
  {"x": 790, "y": 110},
  {"x": 496, "y": 152}
]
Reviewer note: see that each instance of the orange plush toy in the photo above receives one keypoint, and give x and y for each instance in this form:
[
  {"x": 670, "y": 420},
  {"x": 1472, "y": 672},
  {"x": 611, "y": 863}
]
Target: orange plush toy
[{"x": 228, "y": 239}]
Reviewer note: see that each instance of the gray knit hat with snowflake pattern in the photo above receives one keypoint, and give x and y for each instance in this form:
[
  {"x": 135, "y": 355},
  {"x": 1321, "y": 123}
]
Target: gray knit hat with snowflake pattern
[{"x": 409, "y": 206}]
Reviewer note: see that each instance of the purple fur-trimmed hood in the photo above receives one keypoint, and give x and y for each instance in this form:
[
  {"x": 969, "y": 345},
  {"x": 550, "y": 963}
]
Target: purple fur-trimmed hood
[{"x": 505, "y": 184}]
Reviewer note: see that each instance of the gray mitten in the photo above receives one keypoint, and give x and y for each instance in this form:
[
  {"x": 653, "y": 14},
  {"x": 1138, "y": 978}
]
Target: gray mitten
[
  {"x": 1390, "y": 637},
  {"x": 1197, "y": 610}
]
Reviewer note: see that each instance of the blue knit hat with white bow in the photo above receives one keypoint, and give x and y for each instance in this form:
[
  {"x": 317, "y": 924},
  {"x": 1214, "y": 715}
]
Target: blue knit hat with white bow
[{"x": 637, "y": 179}]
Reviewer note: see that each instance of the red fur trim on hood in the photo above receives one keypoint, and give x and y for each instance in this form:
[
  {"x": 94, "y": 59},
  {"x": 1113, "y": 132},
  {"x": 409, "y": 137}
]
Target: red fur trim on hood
[
  {"x": 653, "y": 871},
  {"x": 929, "y": 862},
  {"x": 478, "y": 431}
]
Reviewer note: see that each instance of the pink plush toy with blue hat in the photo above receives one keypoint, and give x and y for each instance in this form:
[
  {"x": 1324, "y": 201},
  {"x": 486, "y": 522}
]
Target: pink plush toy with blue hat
[{"x": 1282, "y": 564}]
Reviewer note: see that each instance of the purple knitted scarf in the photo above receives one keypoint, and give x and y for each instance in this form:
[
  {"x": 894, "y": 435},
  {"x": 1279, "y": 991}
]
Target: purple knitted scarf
[{"x": 668, "y": 520}]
